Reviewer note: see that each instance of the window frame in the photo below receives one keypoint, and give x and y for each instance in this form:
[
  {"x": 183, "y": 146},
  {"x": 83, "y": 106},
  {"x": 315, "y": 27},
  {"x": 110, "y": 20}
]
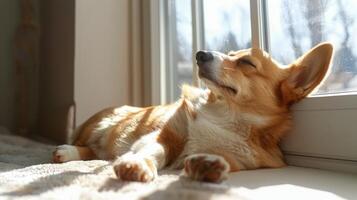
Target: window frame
[
  {"x": 157, "y": 55},
  {"x": 298, "y": 156}
]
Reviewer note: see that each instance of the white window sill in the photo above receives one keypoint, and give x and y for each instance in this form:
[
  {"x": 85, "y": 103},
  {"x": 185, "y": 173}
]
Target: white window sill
[{"x": 293, "y": 183}]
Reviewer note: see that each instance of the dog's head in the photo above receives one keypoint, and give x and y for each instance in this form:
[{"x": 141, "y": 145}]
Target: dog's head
[{"x": 251, "y": 80}]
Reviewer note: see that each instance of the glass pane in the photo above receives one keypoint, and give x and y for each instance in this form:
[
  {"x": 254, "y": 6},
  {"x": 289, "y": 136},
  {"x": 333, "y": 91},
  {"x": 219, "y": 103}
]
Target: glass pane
[
  {"x": 227, "y": 25},
  {"x": 297, "y": 25},
  {"x": 181, "y": 47}
]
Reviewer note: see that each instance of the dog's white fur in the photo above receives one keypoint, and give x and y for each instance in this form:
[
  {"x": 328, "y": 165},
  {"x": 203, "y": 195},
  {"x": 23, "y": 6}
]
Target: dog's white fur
[{"x": 67, "y": 153}]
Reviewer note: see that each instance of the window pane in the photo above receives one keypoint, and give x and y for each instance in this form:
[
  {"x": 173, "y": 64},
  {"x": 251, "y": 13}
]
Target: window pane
[
  {"x": 297, "y": 25},
  {"x": 227, "y": 25},
  {"x": 181, "y": 33}
]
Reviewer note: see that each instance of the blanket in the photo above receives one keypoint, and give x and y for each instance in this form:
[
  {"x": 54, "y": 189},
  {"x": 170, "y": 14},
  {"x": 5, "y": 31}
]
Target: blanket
[{"x": 26, "y": 172}]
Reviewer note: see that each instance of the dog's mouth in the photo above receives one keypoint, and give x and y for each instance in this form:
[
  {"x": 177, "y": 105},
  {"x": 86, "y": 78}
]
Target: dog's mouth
[
  {"x": 226, "y": 88},
  {"x": 206, "y": 75}
]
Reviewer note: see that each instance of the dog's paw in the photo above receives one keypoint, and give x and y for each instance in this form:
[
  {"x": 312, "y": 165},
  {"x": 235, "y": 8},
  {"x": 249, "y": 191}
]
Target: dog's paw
[
  {"x": 206, "y": 167},
  {"x": 135, "y": 169},
  {"x": 65, "y": 153}
]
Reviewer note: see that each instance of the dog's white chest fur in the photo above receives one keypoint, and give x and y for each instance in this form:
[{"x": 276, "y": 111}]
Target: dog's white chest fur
[
  {"x": 209, "y": 132},
  {"x": 214, "y": 129}
]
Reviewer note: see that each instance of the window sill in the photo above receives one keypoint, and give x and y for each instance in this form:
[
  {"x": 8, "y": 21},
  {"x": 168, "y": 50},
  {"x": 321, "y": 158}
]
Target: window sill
[{"x": 293, "y": 183}]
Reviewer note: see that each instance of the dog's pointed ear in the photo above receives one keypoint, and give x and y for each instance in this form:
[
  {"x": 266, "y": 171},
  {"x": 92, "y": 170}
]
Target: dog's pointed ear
[{"x": 306, "y": 73}]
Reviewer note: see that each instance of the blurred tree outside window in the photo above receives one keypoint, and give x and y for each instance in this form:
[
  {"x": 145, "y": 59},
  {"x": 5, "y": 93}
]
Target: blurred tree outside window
[{"x": 294, "y": 27}]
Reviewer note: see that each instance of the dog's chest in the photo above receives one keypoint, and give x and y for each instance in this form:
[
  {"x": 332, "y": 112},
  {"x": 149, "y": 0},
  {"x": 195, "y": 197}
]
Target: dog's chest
[{"x": 210, "y": 133}]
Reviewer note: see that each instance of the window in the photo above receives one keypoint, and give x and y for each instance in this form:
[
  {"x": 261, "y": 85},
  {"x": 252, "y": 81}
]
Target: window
[
  {"x": 235, "y": 34},
  {"x": 179, "y": 43},
  {"x": 298, "y": 25},
  {"x": 325, "y": 130}
]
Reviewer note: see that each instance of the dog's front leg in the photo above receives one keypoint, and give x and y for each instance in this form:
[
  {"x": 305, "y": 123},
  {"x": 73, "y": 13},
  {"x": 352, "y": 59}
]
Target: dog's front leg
[
  {"x": 143, "y": 161},
  {"x": 206, "y": 167}
]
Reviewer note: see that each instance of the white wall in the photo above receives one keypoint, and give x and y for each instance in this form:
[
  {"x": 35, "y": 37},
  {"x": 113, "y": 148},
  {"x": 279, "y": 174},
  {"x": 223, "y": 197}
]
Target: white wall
[{"x": 101, "y": 55}]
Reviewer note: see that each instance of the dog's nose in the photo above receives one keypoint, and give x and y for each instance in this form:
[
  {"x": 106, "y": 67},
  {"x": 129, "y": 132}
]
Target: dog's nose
[{"x": 203, "y": 56}]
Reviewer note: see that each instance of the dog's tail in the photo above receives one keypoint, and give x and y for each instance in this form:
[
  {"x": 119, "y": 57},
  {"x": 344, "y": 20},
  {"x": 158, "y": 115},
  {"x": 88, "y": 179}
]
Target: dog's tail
[{"x": 71, "y": 124}]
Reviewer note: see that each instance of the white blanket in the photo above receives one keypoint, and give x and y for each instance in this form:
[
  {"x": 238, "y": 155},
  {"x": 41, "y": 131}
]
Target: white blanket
[{"x": 26, "y": 172}]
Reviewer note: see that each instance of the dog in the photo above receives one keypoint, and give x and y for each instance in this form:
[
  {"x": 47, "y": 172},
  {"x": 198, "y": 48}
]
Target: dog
[{"x": 235, "y": 124}]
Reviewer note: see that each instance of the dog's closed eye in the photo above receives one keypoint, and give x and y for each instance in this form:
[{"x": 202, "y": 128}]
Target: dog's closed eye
[{"x": 246, "y": 61}]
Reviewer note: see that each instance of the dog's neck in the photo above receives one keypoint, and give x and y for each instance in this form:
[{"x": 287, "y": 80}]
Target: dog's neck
[{"x": 202, "y": 102}]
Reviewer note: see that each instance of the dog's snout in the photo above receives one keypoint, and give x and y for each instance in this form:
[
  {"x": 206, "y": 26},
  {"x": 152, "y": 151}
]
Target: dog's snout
[{"x": 203, "y": 56}]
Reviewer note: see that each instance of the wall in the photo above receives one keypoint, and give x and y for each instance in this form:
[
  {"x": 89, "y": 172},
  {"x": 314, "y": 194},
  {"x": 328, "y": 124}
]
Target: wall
[
  {"x": 57, "y": 67},
  {"x": 85, "y": 55},
  {"x": 9, "y": 17},
  {"x": 101, "y": 56},
  {"x": 84, "y": 60}
]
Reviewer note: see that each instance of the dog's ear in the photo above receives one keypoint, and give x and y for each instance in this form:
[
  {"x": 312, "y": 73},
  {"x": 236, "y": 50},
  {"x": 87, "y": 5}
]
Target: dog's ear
[{"x": 306, "y": 73}]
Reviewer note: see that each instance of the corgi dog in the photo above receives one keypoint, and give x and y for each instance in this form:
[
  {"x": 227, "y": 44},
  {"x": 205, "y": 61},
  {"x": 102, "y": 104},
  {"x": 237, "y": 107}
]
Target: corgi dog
[{"x": 235, "y": 124}]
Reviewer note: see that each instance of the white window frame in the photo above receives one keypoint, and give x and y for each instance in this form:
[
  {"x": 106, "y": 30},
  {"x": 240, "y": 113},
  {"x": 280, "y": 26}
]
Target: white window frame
[
  {"x": 157, "y": 46},
  {"x": 305, "y": 145}
]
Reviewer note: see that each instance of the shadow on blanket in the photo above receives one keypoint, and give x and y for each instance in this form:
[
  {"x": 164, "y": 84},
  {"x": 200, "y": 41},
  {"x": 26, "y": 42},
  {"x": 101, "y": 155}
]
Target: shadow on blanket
[
  {"x": 25, "y": 173},
  {"x": 53, "y": 181},
  {"x": 181, "y": 188},
  {"x": 184, "y": 188}
]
